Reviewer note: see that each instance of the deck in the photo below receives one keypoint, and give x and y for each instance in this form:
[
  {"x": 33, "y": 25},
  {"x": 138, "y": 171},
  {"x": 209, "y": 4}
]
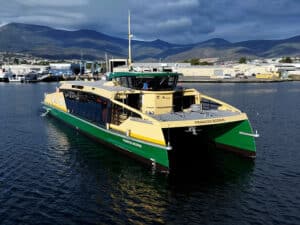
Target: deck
[{"x": 192, "y": 115}]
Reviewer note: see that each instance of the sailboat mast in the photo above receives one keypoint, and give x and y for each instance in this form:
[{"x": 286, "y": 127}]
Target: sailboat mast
[{"x": 129, "y": 42}]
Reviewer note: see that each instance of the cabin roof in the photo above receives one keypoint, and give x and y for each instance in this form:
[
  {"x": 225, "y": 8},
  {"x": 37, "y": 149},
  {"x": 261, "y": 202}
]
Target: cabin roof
[
  {"x": 96, "y": 84},
  {"x": 142, "y": 74}
]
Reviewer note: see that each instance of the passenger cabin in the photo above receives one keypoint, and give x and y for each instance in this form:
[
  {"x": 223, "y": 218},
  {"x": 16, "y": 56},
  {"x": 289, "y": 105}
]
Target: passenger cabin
[
  {"x": 124, "y": 96},
  {"x": 158, "y": 91}
]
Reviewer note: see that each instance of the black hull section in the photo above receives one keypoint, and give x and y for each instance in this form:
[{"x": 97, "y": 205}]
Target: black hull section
[
  {"x": 52, "y": 79},
  {"x": 4, "y": 79},
  {"x": 188, "y": 149},
  {"x": 191, "y": 148}
]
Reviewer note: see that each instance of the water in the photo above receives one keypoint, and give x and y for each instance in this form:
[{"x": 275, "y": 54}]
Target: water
[{"x": 50, "y": 174}]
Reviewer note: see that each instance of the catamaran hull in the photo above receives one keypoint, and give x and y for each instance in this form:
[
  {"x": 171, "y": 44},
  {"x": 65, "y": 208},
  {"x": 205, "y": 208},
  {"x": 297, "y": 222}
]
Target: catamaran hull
[
  {"x": 154, "y": 155},
  {"x": 186, "y": 147},
  {"x": 236, "y": 137},
  {"x": 189, "y": 147}
]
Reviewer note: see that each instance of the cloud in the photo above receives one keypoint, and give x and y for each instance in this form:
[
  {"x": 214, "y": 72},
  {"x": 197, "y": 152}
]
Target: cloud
[
  {"x": 174, "y": 24},
  {"x": 53, "y": 3},
  {"x": 58, "y": 14},
  {"x": 182, "y": 4},
  {"x": 229, "y": 19},
  {"x": 178, "y": 21}
]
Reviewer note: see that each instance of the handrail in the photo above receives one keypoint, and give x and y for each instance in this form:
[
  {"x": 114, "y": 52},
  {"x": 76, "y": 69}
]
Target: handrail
[
  {"x": 220, "y": 102},
  {"x": 144, "y": 116}
]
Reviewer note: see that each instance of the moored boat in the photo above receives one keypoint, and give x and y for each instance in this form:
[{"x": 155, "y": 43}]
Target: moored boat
[
  {"x": 17, "y": 78},
  {"x": 4, "y": 75},
  {"x": 146, "y": 115}
]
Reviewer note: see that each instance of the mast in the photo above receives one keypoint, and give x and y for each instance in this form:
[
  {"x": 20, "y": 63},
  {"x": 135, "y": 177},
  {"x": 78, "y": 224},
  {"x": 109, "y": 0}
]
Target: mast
[
  {"x": 106, "y": 63},
  {"x": 129, "y": 42},
  {"x": 81, "y": 63}
]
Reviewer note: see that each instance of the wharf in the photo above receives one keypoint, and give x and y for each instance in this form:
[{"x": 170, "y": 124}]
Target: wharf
[{"x": 201, "y": 79}]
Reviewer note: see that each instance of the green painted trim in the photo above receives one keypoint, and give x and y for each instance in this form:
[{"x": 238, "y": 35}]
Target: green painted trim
[
  {"x": 229, "y": 135},
  {"x": 148, "y": 151}
]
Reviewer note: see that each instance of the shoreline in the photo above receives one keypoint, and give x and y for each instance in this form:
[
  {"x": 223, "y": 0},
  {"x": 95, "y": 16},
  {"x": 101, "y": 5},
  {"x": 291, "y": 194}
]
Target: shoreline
[{"x": 195, "y": 79}]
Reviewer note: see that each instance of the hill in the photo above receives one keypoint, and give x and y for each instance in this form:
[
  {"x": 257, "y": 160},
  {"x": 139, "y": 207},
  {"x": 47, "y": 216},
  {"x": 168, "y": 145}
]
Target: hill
[{"x": 62, "y": 44}]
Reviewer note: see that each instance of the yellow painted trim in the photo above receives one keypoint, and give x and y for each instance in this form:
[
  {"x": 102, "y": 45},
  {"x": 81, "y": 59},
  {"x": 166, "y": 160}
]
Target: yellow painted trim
[
  {"x": 56, "y": 100},
  {"x": 61, "y": 108},
  {"x": 143, "y": 138},
  {"x": 137, "y": 136},
  {"x": 203, "y": 122}
]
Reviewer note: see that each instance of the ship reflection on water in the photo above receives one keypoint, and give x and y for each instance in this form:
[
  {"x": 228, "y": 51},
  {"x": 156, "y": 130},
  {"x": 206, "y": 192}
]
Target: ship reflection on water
[
  {"x": 51, "y": 174},
  {"x": 214, "y": 167}
]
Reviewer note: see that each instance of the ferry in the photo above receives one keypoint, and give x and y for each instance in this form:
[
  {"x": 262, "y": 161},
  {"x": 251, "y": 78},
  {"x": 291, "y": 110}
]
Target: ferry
[{"x": 148, "y": 116}]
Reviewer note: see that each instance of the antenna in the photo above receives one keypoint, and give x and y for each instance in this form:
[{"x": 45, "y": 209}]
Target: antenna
[
  {"x": 129, "y": 41},
  {"x": 106, "y": 62},
  {"x": 80, "y": 63}
]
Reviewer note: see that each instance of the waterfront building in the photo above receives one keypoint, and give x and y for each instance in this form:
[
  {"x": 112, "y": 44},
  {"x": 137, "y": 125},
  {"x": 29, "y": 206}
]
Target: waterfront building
[
  {"x": 190, "y": 72},
  {"x": 24, "y": 69}
]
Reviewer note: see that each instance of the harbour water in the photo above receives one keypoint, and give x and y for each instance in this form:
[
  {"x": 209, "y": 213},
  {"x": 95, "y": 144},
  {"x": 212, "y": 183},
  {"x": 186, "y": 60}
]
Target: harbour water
[{"x": 50, "y": 174}]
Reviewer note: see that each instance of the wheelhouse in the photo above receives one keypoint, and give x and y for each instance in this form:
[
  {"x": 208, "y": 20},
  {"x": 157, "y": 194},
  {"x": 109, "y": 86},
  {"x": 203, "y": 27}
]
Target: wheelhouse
[{"x": 154, "y": 81}]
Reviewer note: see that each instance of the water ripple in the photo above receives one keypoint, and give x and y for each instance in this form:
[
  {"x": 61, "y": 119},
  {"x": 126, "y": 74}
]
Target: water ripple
[{"x": 50, "y": 174}]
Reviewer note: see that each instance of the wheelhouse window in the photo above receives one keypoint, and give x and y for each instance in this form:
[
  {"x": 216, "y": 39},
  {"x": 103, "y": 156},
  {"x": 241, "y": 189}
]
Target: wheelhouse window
[{"x": 156, "y": 83}]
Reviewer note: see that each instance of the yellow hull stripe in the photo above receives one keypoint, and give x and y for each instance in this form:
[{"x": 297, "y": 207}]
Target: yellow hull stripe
[
  {"x": 61, "y": 108},
  {"x": 143, "y": 138},
  {"x": 139, "y": 137}
]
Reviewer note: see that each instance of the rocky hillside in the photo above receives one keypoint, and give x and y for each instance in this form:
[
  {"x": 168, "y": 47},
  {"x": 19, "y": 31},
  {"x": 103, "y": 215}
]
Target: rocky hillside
[{"x": 61, "y": 44}]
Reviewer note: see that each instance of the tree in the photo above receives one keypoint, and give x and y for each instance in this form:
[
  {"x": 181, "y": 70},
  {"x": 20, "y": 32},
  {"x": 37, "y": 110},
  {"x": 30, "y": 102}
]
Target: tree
[
  {"x": 42, "y": 63},
  {"x": 205, "y": 63},
  {"x": 242, "y": 60},
  {"x": 194, "y": 61},
  {"x": 16, "y": 61},
  {"x": 286, "y": 60}
]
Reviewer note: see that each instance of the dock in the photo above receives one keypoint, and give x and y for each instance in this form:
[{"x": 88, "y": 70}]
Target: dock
[{"x": 201, "y": 79}]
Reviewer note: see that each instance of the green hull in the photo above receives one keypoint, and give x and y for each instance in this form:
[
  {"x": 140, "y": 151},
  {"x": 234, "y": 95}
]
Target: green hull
[
  {"x": 237, "y": 137},
  {"x": 150, "y": 153},
  {"x": 227, "y": 136}
]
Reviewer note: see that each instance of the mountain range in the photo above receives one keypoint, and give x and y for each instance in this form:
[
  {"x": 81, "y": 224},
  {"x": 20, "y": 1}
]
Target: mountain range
[{"x": 52, "y": 43}]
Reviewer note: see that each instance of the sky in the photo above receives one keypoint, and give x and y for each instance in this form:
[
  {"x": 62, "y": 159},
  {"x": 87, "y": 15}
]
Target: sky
[{"x": 175, "y": 21}]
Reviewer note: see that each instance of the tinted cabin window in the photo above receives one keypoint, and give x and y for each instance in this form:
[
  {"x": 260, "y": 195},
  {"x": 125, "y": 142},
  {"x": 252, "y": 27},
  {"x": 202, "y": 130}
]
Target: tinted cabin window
[
  {"x": 123, "y": 81},
  {"x": 208, "y": 104},
  {"x": 120, "y": 114},
  {"x": 181, "y": 102},
  {"x": 153, "y": 83},
  {"x": 87, "y": 106}
]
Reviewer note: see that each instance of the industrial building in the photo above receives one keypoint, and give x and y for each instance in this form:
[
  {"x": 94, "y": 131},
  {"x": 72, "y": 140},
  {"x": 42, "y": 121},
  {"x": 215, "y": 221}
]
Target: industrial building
[{"x": 25, "y": 69}]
